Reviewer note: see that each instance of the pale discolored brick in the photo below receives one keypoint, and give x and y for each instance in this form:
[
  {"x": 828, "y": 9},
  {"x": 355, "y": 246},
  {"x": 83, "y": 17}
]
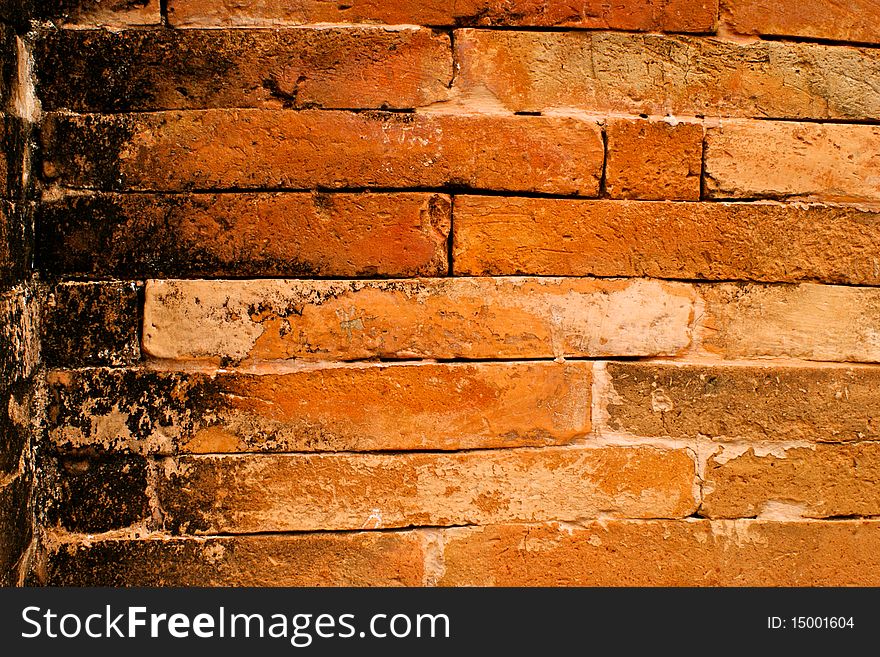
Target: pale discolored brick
[
  {"x": 456, "y": 318},
  {"x": 305, "y": 492},
  {"x": 748, "y": 241},
  {"x": 660, "y": 75},
  {"x": 817, "y": 482},
  {"x": 650, "y": 15},
  {"x": 813, "y": 322},
  {"x": 666, "y": 553},
  {"x": 324, "y": 559},
  {"x": 309, "y": 149},
  {"x": 135, "y": 70},
  {"x": 791, "y": 160},
  {"x": 854, "y": 20},
  {"x": 743, "y": 402},
  {"x": 653, "y": 160},
  {"x": 378, "y": 407},
  {"x": 282, "y": 234}
]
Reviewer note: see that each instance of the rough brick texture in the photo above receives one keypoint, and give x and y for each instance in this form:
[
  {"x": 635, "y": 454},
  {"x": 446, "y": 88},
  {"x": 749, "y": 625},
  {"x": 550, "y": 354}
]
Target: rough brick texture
[{"x": 854, "y": 20}]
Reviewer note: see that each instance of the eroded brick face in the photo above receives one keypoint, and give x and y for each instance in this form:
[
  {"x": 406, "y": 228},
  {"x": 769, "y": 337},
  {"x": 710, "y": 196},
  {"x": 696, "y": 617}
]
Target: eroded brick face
[{"x": 486, "y": 292}]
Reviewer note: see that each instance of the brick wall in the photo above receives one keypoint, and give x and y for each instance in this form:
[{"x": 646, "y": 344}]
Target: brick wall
[{"x": 486, "y": 292}]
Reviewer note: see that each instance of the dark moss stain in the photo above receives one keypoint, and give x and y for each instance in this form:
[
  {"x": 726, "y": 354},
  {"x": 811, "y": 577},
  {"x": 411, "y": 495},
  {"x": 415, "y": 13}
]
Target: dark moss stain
[
  {"x": 84, "y": 151},
  {"x": 16, "y": 508},
  {"x": 16, "y": 242},
  {"x": 71, "y": 10},
  {"x": 96, "y": 495},
  {"x": 91, "y": 324}
]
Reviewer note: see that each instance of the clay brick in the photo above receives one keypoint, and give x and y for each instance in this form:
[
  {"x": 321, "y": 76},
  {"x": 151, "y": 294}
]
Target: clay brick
[
  {"x": 96, "y": 494},
  {"x": 651, "y": 15},
  {"x": 854, "y": 20},
  {"x": 749, "y": 402},
  {"x": 21, "y": 418},
  {"x": 92, "y": 323},
  {"x": 817, "y": 482},
  {"x": 772, "y": 159},
  {"x": 453, "y": 318},
  {"x": 303, "y": 492},
  {"x": 16, "y": 526},
  {"x": 666, "y": 553},
  {"x": 748, "y": 241},
  {"x": 19, "y": 335},
  {"x": 313, "y": 148},
  {"x": 16, "y": 241},
  {"x": 346, "y": 235},
  {"x": 365, "y": 67},
  {"x": 325, "y": 559},
  {"x": 99, "y": 13},
  {"x": 442, "y": 406},
  {"x": 814, "y": 322},
  {"x": 653, "y": 160},
  {"x": 660, "y": 75}
]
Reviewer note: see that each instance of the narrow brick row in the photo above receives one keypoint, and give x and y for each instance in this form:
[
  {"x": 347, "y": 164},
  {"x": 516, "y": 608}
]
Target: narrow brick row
[
  {"x": 351, "y": 559},
  {"x": 782, "y": 159},
  {"x": 326, "y": 235},
  {"x": 813, "y": 322},
  {"x": 821, "y": 481},
  {"x": 655, "y": 74},
  {"x": 650, "y": 15},
  {"x": 666, "y": 553},
  {"x": 98, "y": 13},
  {"x": 747, "y": 241},
  {"x": 401, "y": 407},
  {"x": 364, "y": 67},
  {"x": 747, "y": 402},
  {"x": 313, "y": 148},
  {"x": 854, "y": 20},
  {"x": 307, "y": 492},
  {"x": 452, "y": 318}
]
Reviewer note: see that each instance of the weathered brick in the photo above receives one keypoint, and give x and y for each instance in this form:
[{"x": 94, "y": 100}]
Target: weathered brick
[
  {"x": 443, "y": 406},
  {"x": 314, "y": 148},
  {"x": 325, "y": 559},
  {"x": 650, "y": 15},
  {"x": 452, "y": 318},
  {"x": 364, "y": 67},
  {"x": 16, "y": 526},
  {"x": 666, "y": 553},
  {"x": 19, "y": 334},
  {"x": 750, "y": 402},
  {"x": 854, "y": 20},
  {"x": 16, "y": 241},
  {"x": 21, "y": 413},
  {"x": 96, "y": 494},
  {"x": 99, "y": 13},
  {"x": 91, "y": 323},
  {"x": 346, "y": 235},
  {"x": 817, "y": 482},
  {"x": 655, "y": 74},
  {"x": 653, "y": 160},
  {"x": 814, "y": 322},
  {"x": 209, "y": 494},
  {"x": 749, "y": 241},
  {"x": 782, "y": 159}
]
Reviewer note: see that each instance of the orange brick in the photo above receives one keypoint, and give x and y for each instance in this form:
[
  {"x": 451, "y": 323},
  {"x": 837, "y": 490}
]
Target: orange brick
[
  {"x": 303, "y": 492},
  {"x": 666, "y": 553},
  {"x": 653, "y": 160},
  {"x": 854, "y": 20},
  {"x": 453, "y": 318},
  {"x": 817, "y": 482},
  {"x": 750, "y": 241},
  {"x": 281, "y": 234},
  {"x": 313, "y": 148},
  {"x": 661, "y": 75},
  {"x": 378, "y": 407},
  {"x": 649, "y": 15},
  {"x": 132, "y": 70},
  {"x": 325, "y": 559},
  {"x": 813, "y": 322},
  {"x": 776, "y": 159},
  {"x": 765, "y": 402}
]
